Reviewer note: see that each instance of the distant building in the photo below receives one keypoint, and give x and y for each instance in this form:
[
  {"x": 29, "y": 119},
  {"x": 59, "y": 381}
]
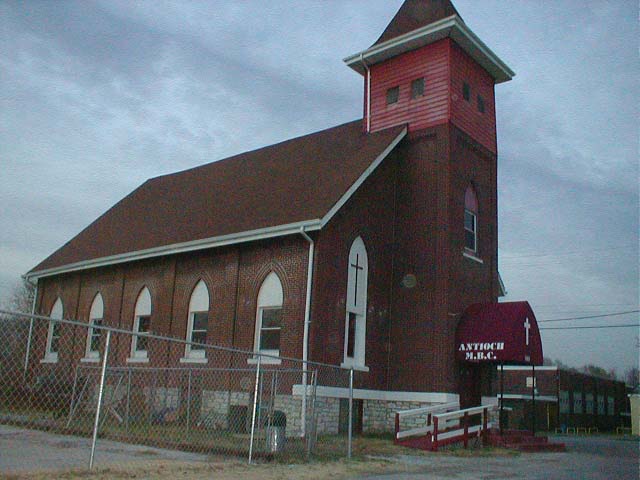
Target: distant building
[{"x": 564, "y": 399}]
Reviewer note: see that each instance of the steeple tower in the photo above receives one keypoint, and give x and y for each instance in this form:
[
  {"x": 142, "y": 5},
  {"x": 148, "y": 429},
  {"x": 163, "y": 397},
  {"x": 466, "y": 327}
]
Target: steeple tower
[
  {"x": 429, "y": 68},
  {"x": 415, "y": 14}
]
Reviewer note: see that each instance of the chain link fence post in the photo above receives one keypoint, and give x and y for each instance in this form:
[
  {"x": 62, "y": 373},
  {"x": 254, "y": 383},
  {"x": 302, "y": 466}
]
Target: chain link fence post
[
  {"x": 100, "y": 393},
  {"x": 255, "y": 406},
  {"x": 350, "y": 428}
]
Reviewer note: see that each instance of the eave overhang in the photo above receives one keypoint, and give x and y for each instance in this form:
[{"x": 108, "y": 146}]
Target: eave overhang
[
  {"x": 451, "y": 27},
  {"x": 176, "y": 248}
]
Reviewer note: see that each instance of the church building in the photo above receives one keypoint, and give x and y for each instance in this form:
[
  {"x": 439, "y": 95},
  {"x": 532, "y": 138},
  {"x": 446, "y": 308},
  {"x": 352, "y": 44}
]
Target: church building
[{"x": 371, "y": 245}]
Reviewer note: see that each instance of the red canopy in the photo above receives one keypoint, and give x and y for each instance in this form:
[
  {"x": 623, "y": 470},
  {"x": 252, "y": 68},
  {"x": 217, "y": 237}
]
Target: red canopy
[{"x": 500, "y": 333}]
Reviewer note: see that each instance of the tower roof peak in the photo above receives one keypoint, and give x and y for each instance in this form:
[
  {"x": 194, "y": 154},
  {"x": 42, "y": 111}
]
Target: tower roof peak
[{"x": 415, "y": 14}]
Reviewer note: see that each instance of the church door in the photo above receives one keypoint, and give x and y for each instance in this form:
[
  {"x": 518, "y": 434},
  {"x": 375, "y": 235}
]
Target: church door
[{"x": 470, "y": 383}]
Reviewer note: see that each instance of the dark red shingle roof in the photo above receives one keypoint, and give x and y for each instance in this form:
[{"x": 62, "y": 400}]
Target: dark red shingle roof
[
  {"x": 293, "y": 181},
  {"x": 414, "y": 14}
]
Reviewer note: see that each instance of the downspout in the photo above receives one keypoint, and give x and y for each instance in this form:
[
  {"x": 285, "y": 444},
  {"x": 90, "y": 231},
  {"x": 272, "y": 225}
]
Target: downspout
[
  {"x": 33, "y": 312},
  {"x": 305, "y": 336},
  {"x": 368, "y": 109}
]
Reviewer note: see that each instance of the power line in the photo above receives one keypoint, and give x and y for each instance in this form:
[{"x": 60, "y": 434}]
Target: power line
[
  {"x": 575, "y": 252},
  {"x": 590, "y": 316},
  {"x": 591, "y": 326},
  {"x": 567, "y": 305}
]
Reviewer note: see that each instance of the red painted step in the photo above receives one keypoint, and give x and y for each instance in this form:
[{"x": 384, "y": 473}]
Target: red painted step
[
  {"x": 421, "y": 443},
  {"x": 523, "y": 441}
]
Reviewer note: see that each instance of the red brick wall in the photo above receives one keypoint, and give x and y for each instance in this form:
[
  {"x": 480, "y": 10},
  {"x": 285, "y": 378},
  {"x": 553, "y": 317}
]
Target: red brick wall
[
  {"x": 471, "y": 164},
  {"x": 369, "y": 214},
  {"x": 410, "y": 215},
  {"x": 418, "y": 331},
  {"x": 233, "y": 276}
]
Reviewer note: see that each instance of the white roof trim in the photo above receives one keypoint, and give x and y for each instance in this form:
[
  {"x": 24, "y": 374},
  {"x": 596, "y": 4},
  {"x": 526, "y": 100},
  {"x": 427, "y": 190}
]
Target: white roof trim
[
  {"x": 251, "y": 235},
  {"x": 453, "y": 27},
  {"x": 502, "y": 290},
  {"x": 234, "y": 238},
  {"x": 370, "y": 169}
]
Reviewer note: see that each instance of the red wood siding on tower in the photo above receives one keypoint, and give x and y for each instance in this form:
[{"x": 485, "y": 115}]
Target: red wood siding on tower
[
  {"x": 464, "y": 114},
  {"x": 430, "y": 62}
]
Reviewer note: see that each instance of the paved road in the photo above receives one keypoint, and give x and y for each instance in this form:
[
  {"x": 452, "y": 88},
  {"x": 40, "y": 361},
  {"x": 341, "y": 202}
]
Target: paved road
[
  {"x": 31, "y": 451},
  {"x": 586, "y": 458}
]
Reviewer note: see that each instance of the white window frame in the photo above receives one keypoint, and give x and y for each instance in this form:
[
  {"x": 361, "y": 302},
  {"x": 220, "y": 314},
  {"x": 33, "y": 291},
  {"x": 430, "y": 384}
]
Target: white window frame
[
  {"x": 356, "y": 305},
  {"x": 142, "y": 309},
  {"x": 198, "y": 303},
  {"x": 57, "y": 312},
  {"x": 270, "y": 297},
  {"x": 474, "y": 216},
  {"x": 474, "y": 231},
  {"x": 96, "y": 315}
]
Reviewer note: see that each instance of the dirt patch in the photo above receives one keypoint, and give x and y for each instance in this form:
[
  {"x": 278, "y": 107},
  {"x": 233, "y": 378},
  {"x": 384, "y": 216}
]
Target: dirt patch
[{"x": 233, "y": 470}]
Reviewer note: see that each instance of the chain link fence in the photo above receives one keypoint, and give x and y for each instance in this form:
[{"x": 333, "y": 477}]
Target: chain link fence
[{"x": 97, "y": 382}]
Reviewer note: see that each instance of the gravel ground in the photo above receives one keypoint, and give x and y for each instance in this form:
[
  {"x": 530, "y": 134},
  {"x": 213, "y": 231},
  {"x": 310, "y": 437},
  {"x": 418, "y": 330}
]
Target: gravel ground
[
  {"x": 38, "y": 455},
  {"x": 31, "y": 451},
  {"x": 586, "y": 458}
]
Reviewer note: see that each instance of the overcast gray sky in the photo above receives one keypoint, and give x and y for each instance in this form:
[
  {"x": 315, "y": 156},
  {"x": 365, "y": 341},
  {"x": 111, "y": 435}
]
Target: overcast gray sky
[{"x": 97, "y": 96}]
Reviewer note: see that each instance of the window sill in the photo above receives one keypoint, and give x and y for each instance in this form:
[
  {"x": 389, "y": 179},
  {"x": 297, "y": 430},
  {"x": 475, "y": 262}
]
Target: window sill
[
  {"x": 193, "y": 360},
  {"x": 359, "y": 368},
  {"x": 49, "y": 360},
  {"x": 138, "y": 360},
  {"x": 471, "y": 256},
  {"x": 264, "y": 361},
  {"x": 89, "y": 360}
]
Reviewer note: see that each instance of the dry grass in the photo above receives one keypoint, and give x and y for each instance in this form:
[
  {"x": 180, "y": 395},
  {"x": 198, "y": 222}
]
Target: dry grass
[{"x": 231, "y": 470}]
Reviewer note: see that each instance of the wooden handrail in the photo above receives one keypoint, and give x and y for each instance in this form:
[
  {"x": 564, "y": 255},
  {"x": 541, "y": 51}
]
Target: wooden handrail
[
  {"x": 464, "y": 432},
  {"x": 468, "y": 411},
  {"x": 429, "y": 409}
]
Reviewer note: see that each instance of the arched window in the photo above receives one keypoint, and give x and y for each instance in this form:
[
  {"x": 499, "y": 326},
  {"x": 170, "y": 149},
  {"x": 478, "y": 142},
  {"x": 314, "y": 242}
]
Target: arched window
[
  {"x": 96, "y": 315},
  {"x": 356, "y": 305},
  {"x": 269, "y": 316},
  {"x": 471, "y": 220},
  {"x": 197, "y": 321},
  {"x": 53, "y": 334},
  {"x": 141, "y": 326}
]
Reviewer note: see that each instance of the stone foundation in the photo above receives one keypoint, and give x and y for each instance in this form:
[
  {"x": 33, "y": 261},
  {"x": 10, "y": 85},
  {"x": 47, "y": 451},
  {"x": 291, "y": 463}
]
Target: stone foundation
[
  {"x": 216, "y": 410},
  {"x": 380, "y": 415}
]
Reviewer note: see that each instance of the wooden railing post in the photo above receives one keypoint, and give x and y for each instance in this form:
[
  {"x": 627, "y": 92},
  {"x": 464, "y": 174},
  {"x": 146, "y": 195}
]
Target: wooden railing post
[
  {"x": 485, "y": 414},
  {"x": 465, "y": 420},
  {"x": 435, "y": 434},
  {"x": 395, "y": 440}
]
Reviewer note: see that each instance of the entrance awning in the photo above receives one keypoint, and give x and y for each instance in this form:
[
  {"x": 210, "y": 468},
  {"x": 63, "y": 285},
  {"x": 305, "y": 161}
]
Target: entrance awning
[{"x": 499, "y": 333}]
